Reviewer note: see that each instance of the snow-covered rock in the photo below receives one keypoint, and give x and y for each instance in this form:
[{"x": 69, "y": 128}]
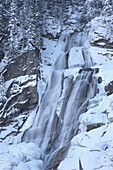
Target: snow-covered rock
[
  {"x": 20, "y": 93},
  {"x": 91, "y": 150},
  {"x": 101, "y": 32}
]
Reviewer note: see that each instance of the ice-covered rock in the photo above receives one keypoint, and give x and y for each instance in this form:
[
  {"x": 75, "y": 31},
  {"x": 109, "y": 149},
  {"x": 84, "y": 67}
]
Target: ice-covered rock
[{"x": 101, "y": 32}]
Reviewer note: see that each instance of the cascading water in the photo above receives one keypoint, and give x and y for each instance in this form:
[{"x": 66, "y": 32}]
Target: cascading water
[{"x": 65, "y": 98}]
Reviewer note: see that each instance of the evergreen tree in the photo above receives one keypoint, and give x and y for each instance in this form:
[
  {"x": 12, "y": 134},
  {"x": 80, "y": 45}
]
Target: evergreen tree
[{"x": 108, "y": 7}]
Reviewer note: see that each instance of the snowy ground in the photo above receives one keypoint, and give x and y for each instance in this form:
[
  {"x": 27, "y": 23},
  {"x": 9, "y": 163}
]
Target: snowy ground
[
  {"x": 93, "y": 149},
  {"x": 22, "y": 156}
]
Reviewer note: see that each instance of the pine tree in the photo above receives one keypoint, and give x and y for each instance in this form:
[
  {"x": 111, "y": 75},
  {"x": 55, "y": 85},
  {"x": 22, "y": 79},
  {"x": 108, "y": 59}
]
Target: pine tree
[
  {"x": 108, "y": 7},
  {"x": 12, "y": 29}
]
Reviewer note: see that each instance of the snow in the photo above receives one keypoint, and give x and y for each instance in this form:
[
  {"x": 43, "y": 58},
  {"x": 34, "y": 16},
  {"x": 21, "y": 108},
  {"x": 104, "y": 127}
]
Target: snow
[
  {"x": 30, "y": 120},
  {"x": 14, "y": 157},
  {"x": 101, "y": 29},
  {"x": 103, "y": 59},
  {"x": 93, "y": 148},
  {"x": 21, "y": 80},
  {"x": 3, "y": 148}
]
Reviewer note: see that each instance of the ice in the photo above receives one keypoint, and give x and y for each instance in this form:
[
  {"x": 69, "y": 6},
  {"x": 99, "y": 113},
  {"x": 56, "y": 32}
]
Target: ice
[
  {"x": 22, "y": 165},
  {"x": 94, "y": 149},
  {"x": 76, "y": 57}
]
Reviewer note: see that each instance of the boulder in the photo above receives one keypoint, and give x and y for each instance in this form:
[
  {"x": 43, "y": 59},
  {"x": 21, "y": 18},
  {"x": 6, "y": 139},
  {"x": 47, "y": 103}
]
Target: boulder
[{"x": 109, "y": 88}]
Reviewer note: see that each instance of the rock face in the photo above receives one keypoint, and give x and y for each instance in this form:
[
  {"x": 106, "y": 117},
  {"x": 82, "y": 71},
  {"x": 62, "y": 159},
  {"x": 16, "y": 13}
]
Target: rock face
[
  {"x": 101, "y": 32},
  {"x": 20, "y": 91},
  {"x": 19, "y": 62},
  {"x": 109, "y": 88},
  {"x": 26, "y": 64}
]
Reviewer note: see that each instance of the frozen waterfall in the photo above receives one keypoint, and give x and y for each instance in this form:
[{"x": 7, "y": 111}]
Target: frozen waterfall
[{"x": 65, "y": 98}]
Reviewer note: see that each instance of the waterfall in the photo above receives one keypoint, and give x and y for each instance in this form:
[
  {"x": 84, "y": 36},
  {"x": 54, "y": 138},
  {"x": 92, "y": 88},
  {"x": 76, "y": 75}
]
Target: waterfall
[{"x": 65, "y": 98}]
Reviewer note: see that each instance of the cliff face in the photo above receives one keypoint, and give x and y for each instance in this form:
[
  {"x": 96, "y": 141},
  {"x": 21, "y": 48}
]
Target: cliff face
[
  {"x": 56, "y": 84},
  {"x": 19, "y": 56}
]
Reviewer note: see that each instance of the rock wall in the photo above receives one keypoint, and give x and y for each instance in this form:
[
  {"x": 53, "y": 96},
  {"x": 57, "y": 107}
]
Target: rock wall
[{"x": 20, "y": 93}]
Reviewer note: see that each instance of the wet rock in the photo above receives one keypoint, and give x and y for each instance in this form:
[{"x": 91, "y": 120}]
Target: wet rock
[
  {"x": 89, "y": 69},
  {"x": 109, "y": 88},
  {"x": 96, "y": 70},
  {"x": 94, "y": 126},
  {"x": 99, "y": 80},
  {"x": 85, "y": 69}
]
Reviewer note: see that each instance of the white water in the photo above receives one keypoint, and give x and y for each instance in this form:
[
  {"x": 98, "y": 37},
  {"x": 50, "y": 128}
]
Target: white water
[{"x": 57, "y": 118}]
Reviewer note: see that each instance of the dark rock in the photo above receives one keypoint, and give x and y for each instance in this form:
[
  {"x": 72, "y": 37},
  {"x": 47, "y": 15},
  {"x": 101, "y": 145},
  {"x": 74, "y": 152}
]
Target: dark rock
[
  {"x": 18, "y": 105},
  {"x": 1, "y": 54},
  {"x": 21, "y": 93},
  {"x": 28, "y": 99},
  {"x": 85, "y": 69},
  {"x": 94, "y": 126},
  {"x": 18, "y": 24},
  {"x": 96, "y": 70},
  {"x": 109, "y": 88},
  {"x": 23, "y": 100},
  {"x": 103, "y": 43},
  {"x": 22, "y": 65},
  {"x": 80, "y": 165},
  {"x": 51, "y": 36},
  {"x": 99, "y": 80}
]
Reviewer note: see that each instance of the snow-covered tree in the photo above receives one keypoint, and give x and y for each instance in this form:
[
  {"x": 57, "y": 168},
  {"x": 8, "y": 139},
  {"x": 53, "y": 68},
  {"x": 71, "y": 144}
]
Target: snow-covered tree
[
  {"x": 12, "y": 28},
  {"x": 108, "y": 7}
]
